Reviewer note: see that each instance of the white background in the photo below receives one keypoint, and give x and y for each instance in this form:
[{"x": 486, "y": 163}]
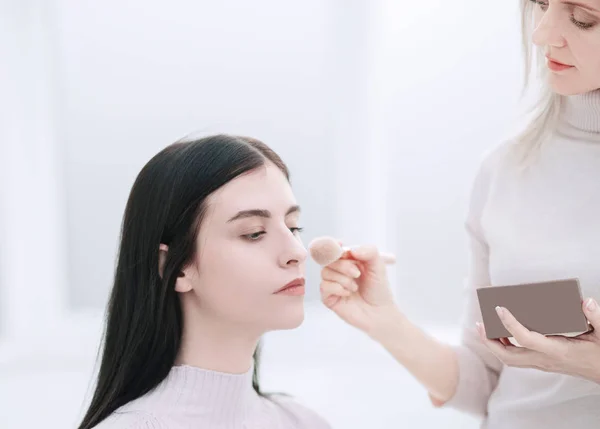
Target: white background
[{"x": 381, "y": 109}]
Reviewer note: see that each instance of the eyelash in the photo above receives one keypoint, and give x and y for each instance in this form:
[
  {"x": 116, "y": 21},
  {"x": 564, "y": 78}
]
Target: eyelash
[
  {"x": 578, "y": 24},
  {"x": 250, "y": 237},
  {"x": 582, "y": 25}
]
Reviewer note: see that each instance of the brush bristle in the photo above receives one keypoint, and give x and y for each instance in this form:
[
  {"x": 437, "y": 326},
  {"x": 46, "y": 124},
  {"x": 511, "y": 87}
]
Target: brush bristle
[{"x": 325, "y": 250}]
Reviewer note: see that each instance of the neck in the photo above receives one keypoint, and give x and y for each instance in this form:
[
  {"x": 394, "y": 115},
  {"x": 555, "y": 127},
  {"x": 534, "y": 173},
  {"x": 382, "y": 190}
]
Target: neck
[
  {"x": 212, "y": 379},
  {"x": 214, "y": 399},
  {"x": 215, "y": 345},
  {"x": 580, "y": 116}
]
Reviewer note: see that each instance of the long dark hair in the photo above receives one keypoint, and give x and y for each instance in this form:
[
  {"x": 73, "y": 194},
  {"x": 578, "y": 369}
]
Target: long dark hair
[{"x": 166, "y": 205}]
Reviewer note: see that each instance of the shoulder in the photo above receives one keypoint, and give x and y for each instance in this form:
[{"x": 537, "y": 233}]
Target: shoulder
[
  {"x": 493, "y": 162},
  {"x": 495, "y": 158},
  {"x": 499, "y": 158},
  {"x": 131, "y": 420},
  {"x": 304, "y": 416}
]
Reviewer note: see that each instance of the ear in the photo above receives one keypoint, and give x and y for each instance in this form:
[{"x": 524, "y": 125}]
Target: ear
[
  {"x": 162, "y": 257},
  {"x": 183, "y": 283}
]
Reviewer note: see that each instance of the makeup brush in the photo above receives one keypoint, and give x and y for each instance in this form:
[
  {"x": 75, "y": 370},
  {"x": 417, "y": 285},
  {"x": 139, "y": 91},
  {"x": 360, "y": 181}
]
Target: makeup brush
[{"x": 325, "y": 250}]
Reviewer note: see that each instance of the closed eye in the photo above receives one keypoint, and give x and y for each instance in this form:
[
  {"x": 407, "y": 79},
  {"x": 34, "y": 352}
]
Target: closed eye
[
  {"x": 255, "y": 236},
  {"x": 581, "y": 24}
]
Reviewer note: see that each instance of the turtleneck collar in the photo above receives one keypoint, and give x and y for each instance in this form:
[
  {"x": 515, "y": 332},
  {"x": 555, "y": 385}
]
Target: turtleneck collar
[
  {"x": 581, "y": 116},
  {"x": 225, "y": 400}
]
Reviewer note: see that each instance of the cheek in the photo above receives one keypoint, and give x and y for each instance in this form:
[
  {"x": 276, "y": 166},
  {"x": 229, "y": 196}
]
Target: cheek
[
  {"x": 234, "y": 282},
  {"x": 595, "y": 64},
  {"x": 588, "y": 54},
  {"x": 583, "y": 44}
]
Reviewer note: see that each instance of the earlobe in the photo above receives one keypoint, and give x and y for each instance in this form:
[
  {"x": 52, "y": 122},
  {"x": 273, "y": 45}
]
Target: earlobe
[{"x": 182, "y": 284}]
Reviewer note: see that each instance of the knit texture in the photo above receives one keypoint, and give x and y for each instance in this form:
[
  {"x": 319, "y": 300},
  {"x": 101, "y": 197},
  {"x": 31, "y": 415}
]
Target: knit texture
[
  {"x": 194, "y": 398},
  {"x": 527, "y": 226}
]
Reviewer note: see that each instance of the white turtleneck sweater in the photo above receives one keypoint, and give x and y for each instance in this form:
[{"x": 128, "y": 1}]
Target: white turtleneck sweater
[
  {"x": 538, "y": 225},
  {"x": 194, "y": 398}
]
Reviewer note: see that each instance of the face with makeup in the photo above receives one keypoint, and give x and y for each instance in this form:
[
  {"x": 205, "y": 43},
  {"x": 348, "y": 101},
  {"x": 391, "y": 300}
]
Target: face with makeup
[
  {"x": 247, "y": 249},
  {"x": 569, "y": 33}
]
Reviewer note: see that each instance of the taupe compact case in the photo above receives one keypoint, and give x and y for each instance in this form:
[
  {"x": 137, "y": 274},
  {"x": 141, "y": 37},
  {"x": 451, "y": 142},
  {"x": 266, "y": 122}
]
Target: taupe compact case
[{"x": 549, "y": 308}]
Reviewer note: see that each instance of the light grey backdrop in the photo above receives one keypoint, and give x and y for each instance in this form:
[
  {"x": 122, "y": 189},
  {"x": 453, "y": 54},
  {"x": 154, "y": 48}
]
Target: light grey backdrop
[{"x": 307, "y": 79}]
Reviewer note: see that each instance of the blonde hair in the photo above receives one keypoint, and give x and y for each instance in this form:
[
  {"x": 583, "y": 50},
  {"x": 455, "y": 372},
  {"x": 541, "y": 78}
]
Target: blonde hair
[{"x": 544, "y": 113}]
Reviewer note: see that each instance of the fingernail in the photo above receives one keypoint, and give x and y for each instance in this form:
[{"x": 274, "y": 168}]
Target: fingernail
[
  {"x": 592, "y": 304},
  {"x": 356, "y": 273},
  {"x": 500, "y": 311}
]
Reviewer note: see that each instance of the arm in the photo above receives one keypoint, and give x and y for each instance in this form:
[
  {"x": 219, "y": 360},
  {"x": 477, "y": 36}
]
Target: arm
[
  {"x": 434, "y": 364},
  {"x": 464, "y": 376}
]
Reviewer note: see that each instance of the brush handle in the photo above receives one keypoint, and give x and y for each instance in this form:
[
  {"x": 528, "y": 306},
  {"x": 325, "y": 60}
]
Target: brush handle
[{"x": 388, "y": 258}]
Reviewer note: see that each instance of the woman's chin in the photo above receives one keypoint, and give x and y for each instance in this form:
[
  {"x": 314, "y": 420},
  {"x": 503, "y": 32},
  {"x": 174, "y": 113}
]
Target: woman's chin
[
  {"x": 568, "y": 86},
  {"x": 292, "y": 318}
]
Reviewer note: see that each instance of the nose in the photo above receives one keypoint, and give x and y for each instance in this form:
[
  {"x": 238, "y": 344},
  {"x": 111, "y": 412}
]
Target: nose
[
  {"x": 294, "y": 252},
  {"x": 548, "y": 31}
]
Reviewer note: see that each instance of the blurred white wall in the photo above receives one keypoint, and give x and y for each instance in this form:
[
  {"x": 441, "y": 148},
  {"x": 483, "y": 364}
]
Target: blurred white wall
[
  {"x": 382, "y": 110},
  {"x": 448, "y": 79},
  {"x": 138, "y": 75}
]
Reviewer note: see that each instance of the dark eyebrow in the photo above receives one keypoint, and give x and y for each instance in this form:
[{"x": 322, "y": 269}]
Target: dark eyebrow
[
  {"x": 584, "y": 6},
  {"x": 261, "y": 213}
]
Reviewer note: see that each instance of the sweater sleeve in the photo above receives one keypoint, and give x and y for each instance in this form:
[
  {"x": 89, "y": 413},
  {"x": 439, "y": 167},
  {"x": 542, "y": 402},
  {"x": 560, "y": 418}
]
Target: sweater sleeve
[{"x": 479, "y": 369}]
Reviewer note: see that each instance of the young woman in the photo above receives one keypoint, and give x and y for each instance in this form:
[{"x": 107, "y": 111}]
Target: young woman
[
  {"x": 210, "y": 259},
  {"x": 534, "y": 215}
]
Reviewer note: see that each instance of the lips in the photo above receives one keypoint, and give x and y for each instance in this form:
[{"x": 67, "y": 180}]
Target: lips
[
  {"x": 557, "y": 62},
  {"x": 299, "y": 282},
  {"x": 557, "y": 65}
]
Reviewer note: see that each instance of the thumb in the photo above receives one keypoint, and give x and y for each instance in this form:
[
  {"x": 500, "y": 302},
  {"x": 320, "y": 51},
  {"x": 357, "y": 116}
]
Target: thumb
[{"x": 592, "y": 312}]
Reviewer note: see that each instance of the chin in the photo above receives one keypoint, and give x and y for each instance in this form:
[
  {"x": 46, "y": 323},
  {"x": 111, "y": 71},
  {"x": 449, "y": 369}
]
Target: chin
[
  {"x": 289, "y": 318},
  {"x": 567, "y": 86}
]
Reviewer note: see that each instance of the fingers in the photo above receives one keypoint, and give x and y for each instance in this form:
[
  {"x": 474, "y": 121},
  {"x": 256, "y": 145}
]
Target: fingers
[
  {"x": 366, "y": 253},
  {"x": 371, "y": 255},
  {"x": 506, "y": 342},
  {"x": 525, "y": 337},
  {"x": 338, "y": 281},
  {"x": 592, "y": 313},
  {"x": 332, "y": 292},
  {"x": 388, "y": 258},
  {"x": 345, "y": 267},
  {"x": 344, "y": 280},
  {"x": 329, "y": 288},
  {"x": 518, "y": 357}
]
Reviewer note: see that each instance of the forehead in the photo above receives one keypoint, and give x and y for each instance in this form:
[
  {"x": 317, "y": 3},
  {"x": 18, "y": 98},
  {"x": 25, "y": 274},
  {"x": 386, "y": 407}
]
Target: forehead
[{"x": 264, "y": 188}]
